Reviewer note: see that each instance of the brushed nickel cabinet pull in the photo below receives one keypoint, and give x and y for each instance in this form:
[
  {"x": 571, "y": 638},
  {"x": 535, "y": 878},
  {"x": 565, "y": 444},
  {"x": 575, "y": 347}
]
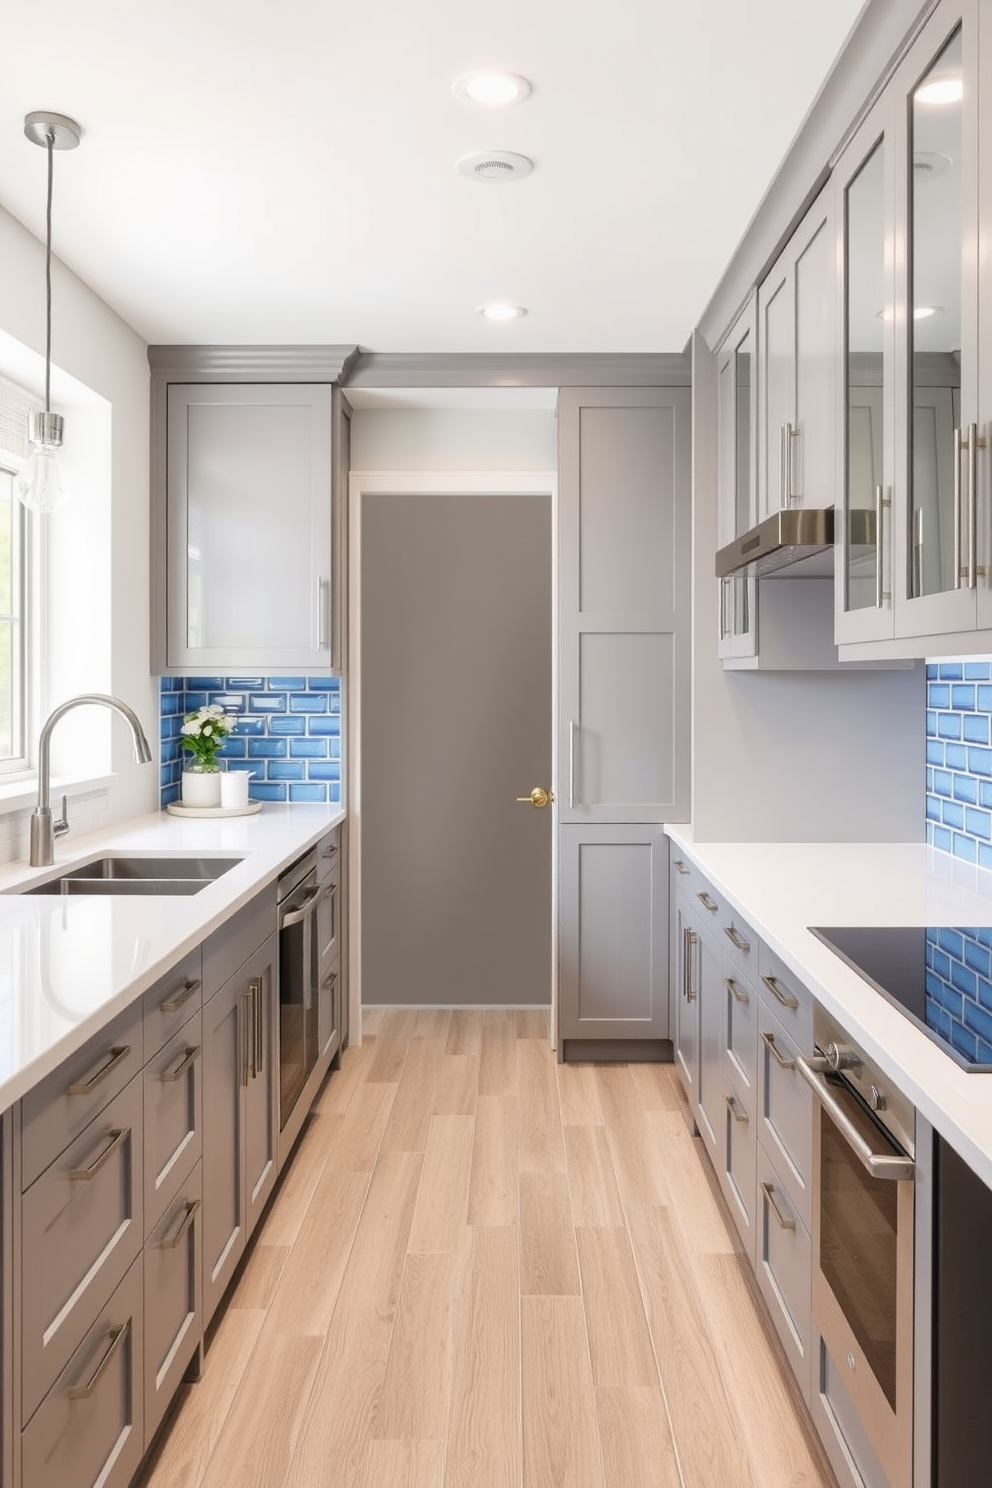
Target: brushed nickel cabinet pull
[
  {"x": 176, "y": 1240},
  {"x": 328, "y": 981},
  {"x": 117, "y": 1337},
  {"x": 785, "y": 998},
  {"x": 255, "y": 988},
  {"x": 957, "y": 510},
  {"x": 83, "y": 1087},
  {"x": 735, "y": 1108},
  {"x": 707, "y": 902},
  {"x": 329, "y": 852},
  {"x": 167, "y": 1076},
  {"x": 248, "y": 1036},
  {"x": 738, "y": 992},
  {"x": 772, "y": 1047},
  {"x": 174, "y": 1003},
  {"x": 116, "y": 1138},
  {"x": 736, "y": 938},
  {"x": 680, "y": 866},
  {"x": 784, "y": 1221}
]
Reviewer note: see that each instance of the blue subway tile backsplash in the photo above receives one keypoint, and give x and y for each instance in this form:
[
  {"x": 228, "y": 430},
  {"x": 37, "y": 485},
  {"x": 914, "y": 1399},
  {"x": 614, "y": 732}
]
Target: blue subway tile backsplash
[
  {"x": 959, "y": 759},
  {"x": 288, "y": 733}
]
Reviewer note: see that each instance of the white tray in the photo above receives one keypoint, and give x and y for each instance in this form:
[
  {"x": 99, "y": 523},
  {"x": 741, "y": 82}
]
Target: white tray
[{"x": 175, "y": 808}]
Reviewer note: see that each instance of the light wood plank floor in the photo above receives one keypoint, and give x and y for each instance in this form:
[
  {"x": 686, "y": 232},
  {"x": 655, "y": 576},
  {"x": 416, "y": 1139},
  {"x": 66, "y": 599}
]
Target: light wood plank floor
[{"x": 485, "y": 1270}]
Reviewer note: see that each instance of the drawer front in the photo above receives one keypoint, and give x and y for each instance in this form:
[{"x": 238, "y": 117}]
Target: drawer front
[
  {"x": 63, "y": 1105},
  {"x": 89, "y": 1428},
  {"x": 329, "y": 1010},
  {"x": 738, "y": 1174},
  {"x": 742, "y": 1024},
  {"x": 329, "y": 856},
  {"x": 173, "y": 1299},
  {"x": 785, "y": 1107},
  {"x": 329, "y": 920},
  {"x": 783, "y": 1266},
  {"x": 172, "y": 1001},
  {"x": 785, "y": 995},
  {"x": 173, "y": 1117},
  {"x": 684, "y": 873},
  {"x": 80, "y": 1231},
  {"x": 227, "y": 950}
]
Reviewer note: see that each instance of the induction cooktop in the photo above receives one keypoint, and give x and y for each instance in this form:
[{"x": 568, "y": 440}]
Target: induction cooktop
[{"x": 940, "y": 977}]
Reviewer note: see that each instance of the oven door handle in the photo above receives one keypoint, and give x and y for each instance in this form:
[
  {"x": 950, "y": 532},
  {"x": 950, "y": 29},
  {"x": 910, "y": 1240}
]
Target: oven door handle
[
  {"x": 879, "y": 1164},
  {"x": 301, "y": 912}
]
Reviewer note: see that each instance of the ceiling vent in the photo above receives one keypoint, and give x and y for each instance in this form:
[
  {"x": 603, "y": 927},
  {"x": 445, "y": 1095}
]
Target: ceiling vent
[{"x": 495, "y": 165}]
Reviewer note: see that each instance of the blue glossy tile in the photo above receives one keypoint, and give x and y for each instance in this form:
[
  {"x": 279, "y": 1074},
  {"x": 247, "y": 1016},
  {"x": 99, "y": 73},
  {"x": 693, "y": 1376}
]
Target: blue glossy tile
[
  {"x": 943, "y": 782},
  {"x": 287, "y": 725},
  {"x": 985, "y": 794},
  {"x": 171, "y": 684},
  {"x": 249, "y": 728},
  {"x": 307, "y": 702},
  {"x": 285, "y": 770},
  {"x": 965, "y": 848},
  {"x": 267, "y": 702},
  {"x": 170, "y": 795},
  {"x": 289, "y": 684},
  {"x": 932, "y": 669},
  {"x": 985, "y": 699},
  {"x": 246, "y": 767},
  {"x": 261, "y": 790},
  {"x": 933, "y": 809},
  {"x": 935, "y": 752},
  {"x": 948, "y": 726},
  {"x": 308, "y": 748},
  {"x": 267, "y": 748},
  {"x": 324, "y": 770},
  {"x": 984, "y": 1051},
  {"x": 979, "y": 761},
  {"x": 950, "y": 941},
  {"x": 165, "y": 775},
  {"x": 235, "y": 746},
  {"x": 976, "y": 728},
  {"x": 978, "y": 671},
  {"x": 942, "y": 839},
  {"x": 963, "y": 696},
  {"x": 231, "y": 702},
  {"x": 334, "y": 793},
  {"x": 330, "y": 725},
  {"x": 978, "y": 823},
  {"x": 952, "y": 814},
  {"x": 243, "y": 684},
  {"x": 205, "y": 684},
  {"x": 194, "y": 700},
  {"x": 314, "y": 793},
  {"x": 978, "y": 958},
  {"x": 965, "y": 789},
  {"x": 172, "y": 704},
  {"x": 963, "y": 1040},
  {"x": 938, "y": 695},
  {"x": 334, "y": 747},
  {"x": 941, "y": 963},
  {"x": 324, "y": 684},
  {"x": 951, "y": 671},
  {"x": 931, "y": 724},
  {"x": 956, "y": 757},
  {"x": 984, "y": 934},
  {"x": 169, "y": 752}
]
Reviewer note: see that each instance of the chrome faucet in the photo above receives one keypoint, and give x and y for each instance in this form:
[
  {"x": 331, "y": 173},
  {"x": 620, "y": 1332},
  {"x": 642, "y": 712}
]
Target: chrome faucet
[{"x": 43, "y": 829}]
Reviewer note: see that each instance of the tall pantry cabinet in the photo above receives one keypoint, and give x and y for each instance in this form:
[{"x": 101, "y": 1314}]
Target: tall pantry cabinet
[{"x": 623, "y": 709}]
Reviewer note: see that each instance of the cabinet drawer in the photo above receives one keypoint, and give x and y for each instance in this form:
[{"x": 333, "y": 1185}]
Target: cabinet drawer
[
  {"x": 785, "y": 1107},
  {"x": 64, "y": 1104},
  {"x": 329, "y": 921},
  {"x": 80, "y": 1231},
  {"x": 171, "y": 1001},
  {"x": 741, "y": 1024},
  {"x": 89, "y": 1428},
  {"x": 738, "y": 1170},
  {"x": 173, "y": 1299},
  {"x": 329, "y": 856},
  {"x": 228, "y": 948},
  {"x": 783, "y": 1266},
  {"x": 173, "y": 1117},
  {"x": 684, "y": 875},
  {"x": 785, "y": 995}
]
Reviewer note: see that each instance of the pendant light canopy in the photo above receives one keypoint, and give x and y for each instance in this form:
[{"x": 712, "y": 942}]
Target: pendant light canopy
[{"x": 39, "y": 484}]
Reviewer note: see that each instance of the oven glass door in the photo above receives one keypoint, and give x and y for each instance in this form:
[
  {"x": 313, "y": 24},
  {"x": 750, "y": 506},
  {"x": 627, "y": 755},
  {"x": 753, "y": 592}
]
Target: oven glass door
[
  {"x": 298, "y": 967},
  {"x": 859, "y": 1246}
]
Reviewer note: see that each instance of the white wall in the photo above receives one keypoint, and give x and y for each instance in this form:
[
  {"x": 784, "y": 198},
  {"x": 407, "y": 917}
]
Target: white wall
[
  {"x": 792, "y": 756},
  {"x": 95, "y": 347},
  {"x": 453, "y": 440}
]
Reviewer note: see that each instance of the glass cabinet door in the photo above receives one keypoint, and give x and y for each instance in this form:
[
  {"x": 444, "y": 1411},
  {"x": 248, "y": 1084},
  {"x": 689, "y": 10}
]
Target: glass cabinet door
[{"x": 736, "y": 415}]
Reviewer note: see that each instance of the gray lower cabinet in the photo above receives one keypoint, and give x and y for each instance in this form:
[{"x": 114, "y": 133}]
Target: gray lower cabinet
[
  {"x": 685, "y": 998},
  {"x": 173, "y": 1297},
  {"x": 240, "y": 1118},
  {"x": 613, "y": 950},
  {"x": 330, "y": 1031}
]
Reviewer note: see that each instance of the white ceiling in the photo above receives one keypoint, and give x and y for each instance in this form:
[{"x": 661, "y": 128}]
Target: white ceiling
[{"x": 253, "y": 171}]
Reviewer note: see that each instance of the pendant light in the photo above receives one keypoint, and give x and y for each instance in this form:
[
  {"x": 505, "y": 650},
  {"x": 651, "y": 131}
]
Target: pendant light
[{"x": 39, "y": 484}]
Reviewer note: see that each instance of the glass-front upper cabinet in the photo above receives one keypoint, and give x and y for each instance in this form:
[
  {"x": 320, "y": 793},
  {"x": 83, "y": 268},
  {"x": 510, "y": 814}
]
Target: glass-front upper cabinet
[
  {"x": 736, "y": 482},
  {"x": 864, "y": 548}
]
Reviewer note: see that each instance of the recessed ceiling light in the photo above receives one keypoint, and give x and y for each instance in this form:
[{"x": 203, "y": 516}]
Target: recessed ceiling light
[
  {"x": 940, "y": 90},
  {"x": 920, "y": 312},
  {"x": 491, "y": 89},
  {"x": 502, "y": 311}
]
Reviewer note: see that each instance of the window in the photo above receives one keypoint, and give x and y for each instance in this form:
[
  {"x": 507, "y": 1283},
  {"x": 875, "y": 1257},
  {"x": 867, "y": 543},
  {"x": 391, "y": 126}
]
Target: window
[{"x": 13, "y": 752}]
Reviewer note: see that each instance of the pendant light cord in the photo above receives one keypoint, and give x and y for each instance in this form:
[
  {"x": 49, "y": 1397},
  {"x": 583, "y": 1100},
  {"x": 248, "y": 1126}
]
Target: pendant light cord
[{"x": 50, "y": 143}]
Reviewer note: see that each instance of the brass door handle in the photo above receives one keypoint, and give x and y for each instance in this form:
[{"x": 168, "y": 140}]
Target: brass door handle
[{"x": 538, "y": 797}]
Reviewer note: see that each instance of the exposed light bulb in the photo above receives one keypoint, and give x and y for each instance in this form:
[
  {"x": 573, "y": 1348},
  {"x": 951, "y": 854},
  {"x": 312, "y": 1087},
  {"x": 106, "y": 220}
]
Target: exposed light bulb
[{"x": 39, "y": 485}]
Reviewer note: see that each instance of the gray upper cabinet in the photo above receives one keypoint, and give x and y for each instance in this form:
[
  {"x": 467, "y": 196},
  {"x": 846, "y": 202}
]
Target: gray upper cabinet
[
  {"x": 248, "y": 490},
  {"x": 737, "y": 463},
  {"x": 624, "y": 604}
]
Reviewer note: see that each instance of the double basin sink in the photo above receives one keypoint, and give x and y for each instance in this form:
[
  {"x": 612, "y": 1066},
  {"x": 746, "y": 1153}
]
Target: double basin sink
[{"x": 120, "y": 874}]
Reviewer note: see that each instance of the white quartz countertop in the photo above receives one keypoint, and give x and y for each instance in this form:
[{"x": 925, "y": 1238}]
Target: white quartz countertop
[
  {"x": 69, "y": 964},
  {"x": 783, "y": 888}
]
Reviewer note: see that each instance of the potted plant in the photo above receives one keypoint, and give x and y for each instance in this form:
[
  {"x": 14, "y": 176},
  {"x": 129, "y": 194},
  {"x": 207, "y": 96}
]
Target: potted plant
[{"x": 204, "y": 731}]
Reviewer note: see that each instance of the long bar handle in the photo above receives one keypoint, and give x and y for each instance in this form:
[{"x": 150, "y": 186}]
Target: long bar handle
[
  {"x": 572, "y": 730},
  {"x": 879, "y": 581},
  {"x": 174, "y": 1003},
  {"x": 773, "y": 1049},
  {"x": 83, "y": 1087},
  {"x": 791, "y": 435},
  {"x": 255, "y": 989},
  {"x": 691, "y": 939},
  {"x": 176, "y": 1240},
  {"x": 735, "y": 1108},
  {"x": 85, "y": 1174},
  {"x": 973, "y": 443},
  {"x": 736, "y": 938},
  {"x": 785, "y": 998},
  {"x": 248, "y": 1035},
  {"x": 785, "y": 1222},
  {"x": 878, "y": 1164},
  {"x": 957, "y": 511},
  {"x": 169, "y": 1076},
  {"x": 783, "y": 489},
  {"x": 305, "y": 910},
  {"x": 322, "y": 588},
  {"x": 738, "y": 993},
  {"x": 117, "y": 1337}
]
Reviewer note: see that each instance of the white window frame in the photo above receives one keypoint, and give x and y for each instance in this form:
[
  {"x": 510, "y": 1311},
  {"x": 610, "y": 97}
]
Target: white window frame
[{"x": 26, "y": 655}]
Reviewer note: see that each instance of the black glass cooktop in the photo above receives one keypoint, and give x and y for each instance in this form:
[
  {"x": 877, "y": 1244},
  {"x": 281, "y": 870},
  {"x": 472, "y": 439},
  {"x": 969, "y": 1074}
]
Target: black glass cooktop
[{"x": 941, "y": 978}]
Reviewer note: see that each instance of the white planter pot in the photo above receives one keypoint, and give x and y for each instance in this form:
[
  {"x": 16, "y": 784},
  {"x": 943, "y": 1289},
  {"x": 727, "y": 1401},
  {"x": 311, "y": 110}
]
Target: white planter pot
[{"x": 201, "y": 788}]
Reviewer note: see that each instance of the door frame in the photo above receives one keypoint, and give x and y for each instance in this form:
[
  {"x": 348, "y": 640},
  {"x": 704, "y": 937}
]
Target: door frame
[{"x": 426, "y": 483}]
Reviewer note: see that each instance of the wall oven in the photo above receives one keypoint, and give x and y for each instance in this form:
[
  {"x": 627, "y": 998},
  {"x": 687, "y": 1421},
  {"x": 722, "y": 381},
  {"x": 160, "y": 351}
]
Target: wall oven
[
  {"x": 299, "y": 961},
  {"x": 863, "y": 1229}
]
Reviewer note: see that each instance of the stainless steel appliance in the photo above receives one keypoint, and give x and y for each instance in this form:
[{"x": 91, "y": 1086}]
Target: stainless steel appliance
[
  {"x": 299, "y": 961},
  {"x": 863, "y": 1256}
]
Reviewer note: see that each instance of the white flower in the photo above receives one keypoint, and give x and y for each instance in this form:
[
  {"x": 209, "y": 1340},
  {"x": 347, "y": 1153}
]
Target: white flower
[{"x": 192, "y": 727}]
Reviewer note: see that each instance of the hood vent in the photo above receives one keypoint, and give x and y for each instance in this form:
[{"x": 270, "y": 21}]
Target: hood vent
[{"x": 788, "y": 537}]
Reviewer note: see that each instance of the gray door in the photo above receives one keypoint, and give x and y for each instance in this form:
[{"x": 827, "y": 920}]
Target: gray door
[{"x": 456, "y": 696}]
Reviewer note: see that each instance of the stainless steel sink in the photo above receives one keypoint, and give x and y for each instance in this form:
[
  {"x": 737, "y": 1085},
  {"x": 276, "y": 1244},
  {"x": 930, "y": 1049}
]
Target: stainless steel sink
[{"x": 134, "y": 875}]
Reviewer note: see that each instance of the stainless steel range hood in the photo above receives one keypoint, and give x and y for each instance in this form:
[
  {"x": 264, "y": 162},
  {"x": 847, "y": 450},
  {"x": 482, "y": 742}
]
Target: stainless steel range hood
[{"x": 790, "y": 536}]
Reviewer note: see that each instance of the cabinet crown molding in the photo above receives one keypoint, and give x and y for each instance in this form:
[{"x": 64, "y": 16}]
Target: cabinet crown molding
[{"x": 251, "y": 363}]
